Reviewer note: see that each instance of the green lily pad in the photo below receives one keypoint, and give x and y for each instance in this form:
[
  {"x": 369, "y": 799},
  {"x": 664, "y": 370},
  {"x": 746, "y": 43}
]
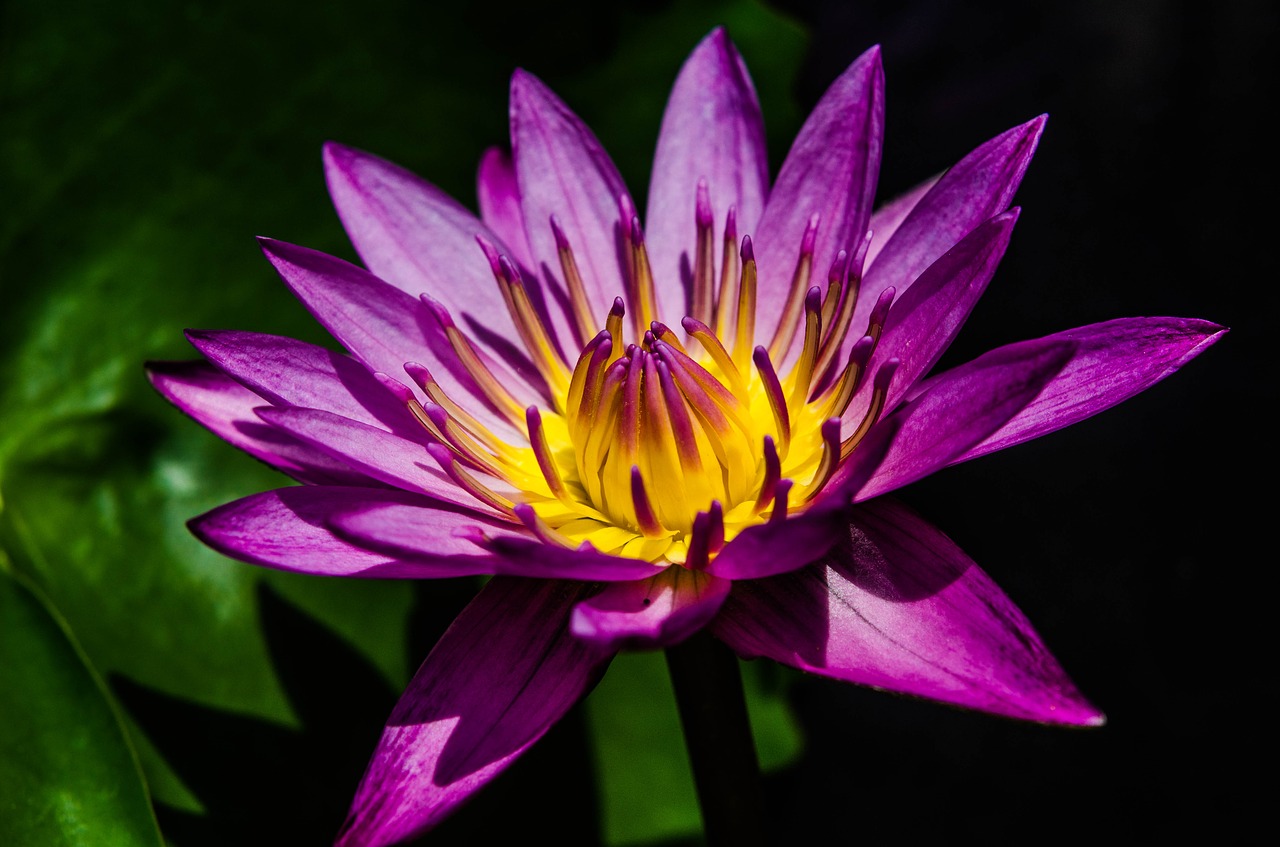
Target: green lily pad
[{"x": 67, "y": 773}]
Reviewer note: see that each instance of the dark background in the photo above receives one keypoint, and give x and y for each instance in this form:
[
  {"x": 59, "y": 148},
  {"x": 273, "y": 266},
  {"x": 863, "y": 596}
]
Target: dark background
[{"x": 1133, "y": 541}]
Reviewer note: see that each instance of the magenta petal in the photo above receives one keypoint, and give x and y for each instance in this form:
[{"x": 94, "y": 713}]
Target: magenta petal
[
  {"x": 407, "y": 530},
  {"x": 285, "y": 529},
  {"x": 379, "y": 323},
  {"x": 414, "y": 236},
  {"x": 971, "y": 402},
  {"x": 382, "y": 326},
  {"x": 899, "y": 606},
  {"x": 499, "y": 197},
  {"x": 226, "y": 408},
  {"x": 563, "y": 170},
  {"x": 925, "y": 319},
  {"x": 502, "y": 674},
  {"x": 1113, "y": 361},
  {"x": 831, "y": 170},
  {"x": 886, "y": 219},
  {"x": 650, "y": 613},
  {"x": 396, "y": 461},
  {"x": 779, "y": 546},
  {"x": 287, "y": 372},
  {"x": 712, "y": 129},
  {"x": 978, "y": 187}
]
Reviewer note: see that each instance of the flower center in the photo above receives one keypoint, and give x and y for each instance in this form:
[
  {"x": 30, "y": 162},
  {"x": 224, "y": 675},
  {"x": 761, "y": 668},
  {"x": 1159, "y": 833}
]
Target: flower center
[{"x": 657, "y": 448}]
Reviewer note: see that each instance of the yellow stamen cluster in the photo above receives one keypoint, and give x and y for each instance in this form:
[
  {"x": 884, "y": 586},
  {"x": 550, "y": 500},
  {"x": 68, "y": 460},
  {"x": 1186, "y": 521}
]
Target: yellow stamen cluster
[{"x": 657, "y": 448}]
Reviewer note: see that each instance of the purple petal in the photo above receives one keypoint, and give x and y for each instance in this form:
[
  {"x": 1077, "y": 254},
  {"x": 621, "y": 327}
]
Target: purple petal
[
  {"x": 502, "y": 674},
  {"x": 779, "y": 546},
  {"x": 285, "y": 529},
  {"x": 862, "y": 465},
  {"x": 712, "y": 129},
  {"x": 499, "y": 197},
  {"x": 383, "y": 326},
  {"x": 414, "y": 236},
  {"x": 831, "y": 170},
  {"x": 886, "y": 219},
  {"x": 563, "y": 170},
  {"x": 396, "y": 461},
  {"x": 287, "y": 372},
  {"x": 1113, "y": 361},
  {"x": 650, "y": 613},
  {"x": 926, "y": 318},
  {"x": 407, "y": 530},
  {"x": 379, "y": 323},
  {"x": 967, "y": 405},
  {"x": 899, "y": 606},
  {"x": 977, "y": 188},
  {"x": 226, "y": 407}
]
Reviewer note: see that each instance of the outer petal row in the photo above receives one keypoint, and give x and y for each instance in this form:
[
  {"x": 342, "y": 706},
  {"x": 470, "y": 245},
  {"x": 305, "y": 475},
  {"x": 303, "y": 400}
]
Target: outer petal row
[
  {"x": 227, "y": 408},
  {"x": 386, "y": 533},
  {"x": 502, "y": 674},
  {"x": 959, "y": 411},
  {"x": 975, "y": 189},
  {"x": 292, "y": 529},
  {"x": 1113, "y": 361},
  {"x": 650, "y": 613},
  {"x": 384, "y": 327},
  {"x": 712, "y": 129},
  {"x": 414, "y": 236},
  {"x": 562, "y": 170},
  {"x": 287, "y": 372},
  {"x": 831, "y": 170},
  {"x": 898, "y": 606},
  {"x": 925, "y": 319}
]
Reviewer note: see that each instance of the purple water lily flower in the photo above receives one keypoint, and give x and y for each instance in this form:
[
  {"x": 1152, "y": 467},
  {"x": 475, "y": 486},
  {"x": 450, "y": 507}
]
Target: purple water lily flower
[{"x": 643, "y": 431}]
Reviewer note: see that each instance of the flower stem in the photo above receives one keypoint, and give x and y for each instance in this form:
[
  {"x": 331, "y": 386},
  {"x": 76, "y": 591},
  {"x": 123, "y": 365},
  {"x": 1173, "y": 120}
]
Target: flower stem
[{"x": 717, "y": 732}]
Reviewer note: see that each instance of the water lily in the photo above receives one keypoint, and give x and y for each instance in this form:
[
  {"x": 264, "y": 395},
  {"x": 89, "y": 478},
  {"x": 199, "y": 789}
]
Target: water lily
[{"x": 643, "y": 428}]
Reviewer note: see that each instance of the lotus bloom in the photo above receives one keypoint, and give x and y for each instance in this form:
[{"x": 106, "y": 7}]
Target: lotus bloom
[{"x": 643, "y": 427}]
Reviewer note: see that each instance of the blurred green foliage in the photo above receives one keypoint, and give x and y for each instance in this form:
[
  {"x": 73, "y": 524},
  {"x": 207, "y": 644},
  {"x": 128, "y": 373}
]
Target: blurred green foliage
[{"x": 144, "y": 145}]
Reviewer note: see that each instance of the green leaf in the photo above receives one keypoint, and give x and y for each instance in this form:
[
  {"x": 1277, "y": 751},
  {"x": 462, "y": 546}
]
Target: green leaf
[
  {"x": 67, "y": 774},
  {"x": 646, "y": 785}
]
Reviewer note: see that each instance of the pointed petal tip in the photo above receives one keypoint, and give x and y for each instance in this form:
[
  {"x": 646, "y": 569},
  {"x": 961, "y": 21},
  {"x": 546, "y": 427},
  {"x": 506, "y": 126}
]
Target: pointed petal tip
[
  {"x": 1077, "y": 713},
  {"x": 164, "y": 375},
  {"x": 338, "y": 162},
  {"x": 718, "y": 40},
  {"x": 1035, "y": 126},
  {"x": 492, "y": 154},
  {"x": 285, "y": 253},
  {"x": 871, "y": 61},
  {"x": 333, "y": 153},
  {"x": 282, "y": 253},
  {"x": 198, "y": 526},
  {"x": 272, "y": 248},
  {"x": 525, "y": 82}
]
